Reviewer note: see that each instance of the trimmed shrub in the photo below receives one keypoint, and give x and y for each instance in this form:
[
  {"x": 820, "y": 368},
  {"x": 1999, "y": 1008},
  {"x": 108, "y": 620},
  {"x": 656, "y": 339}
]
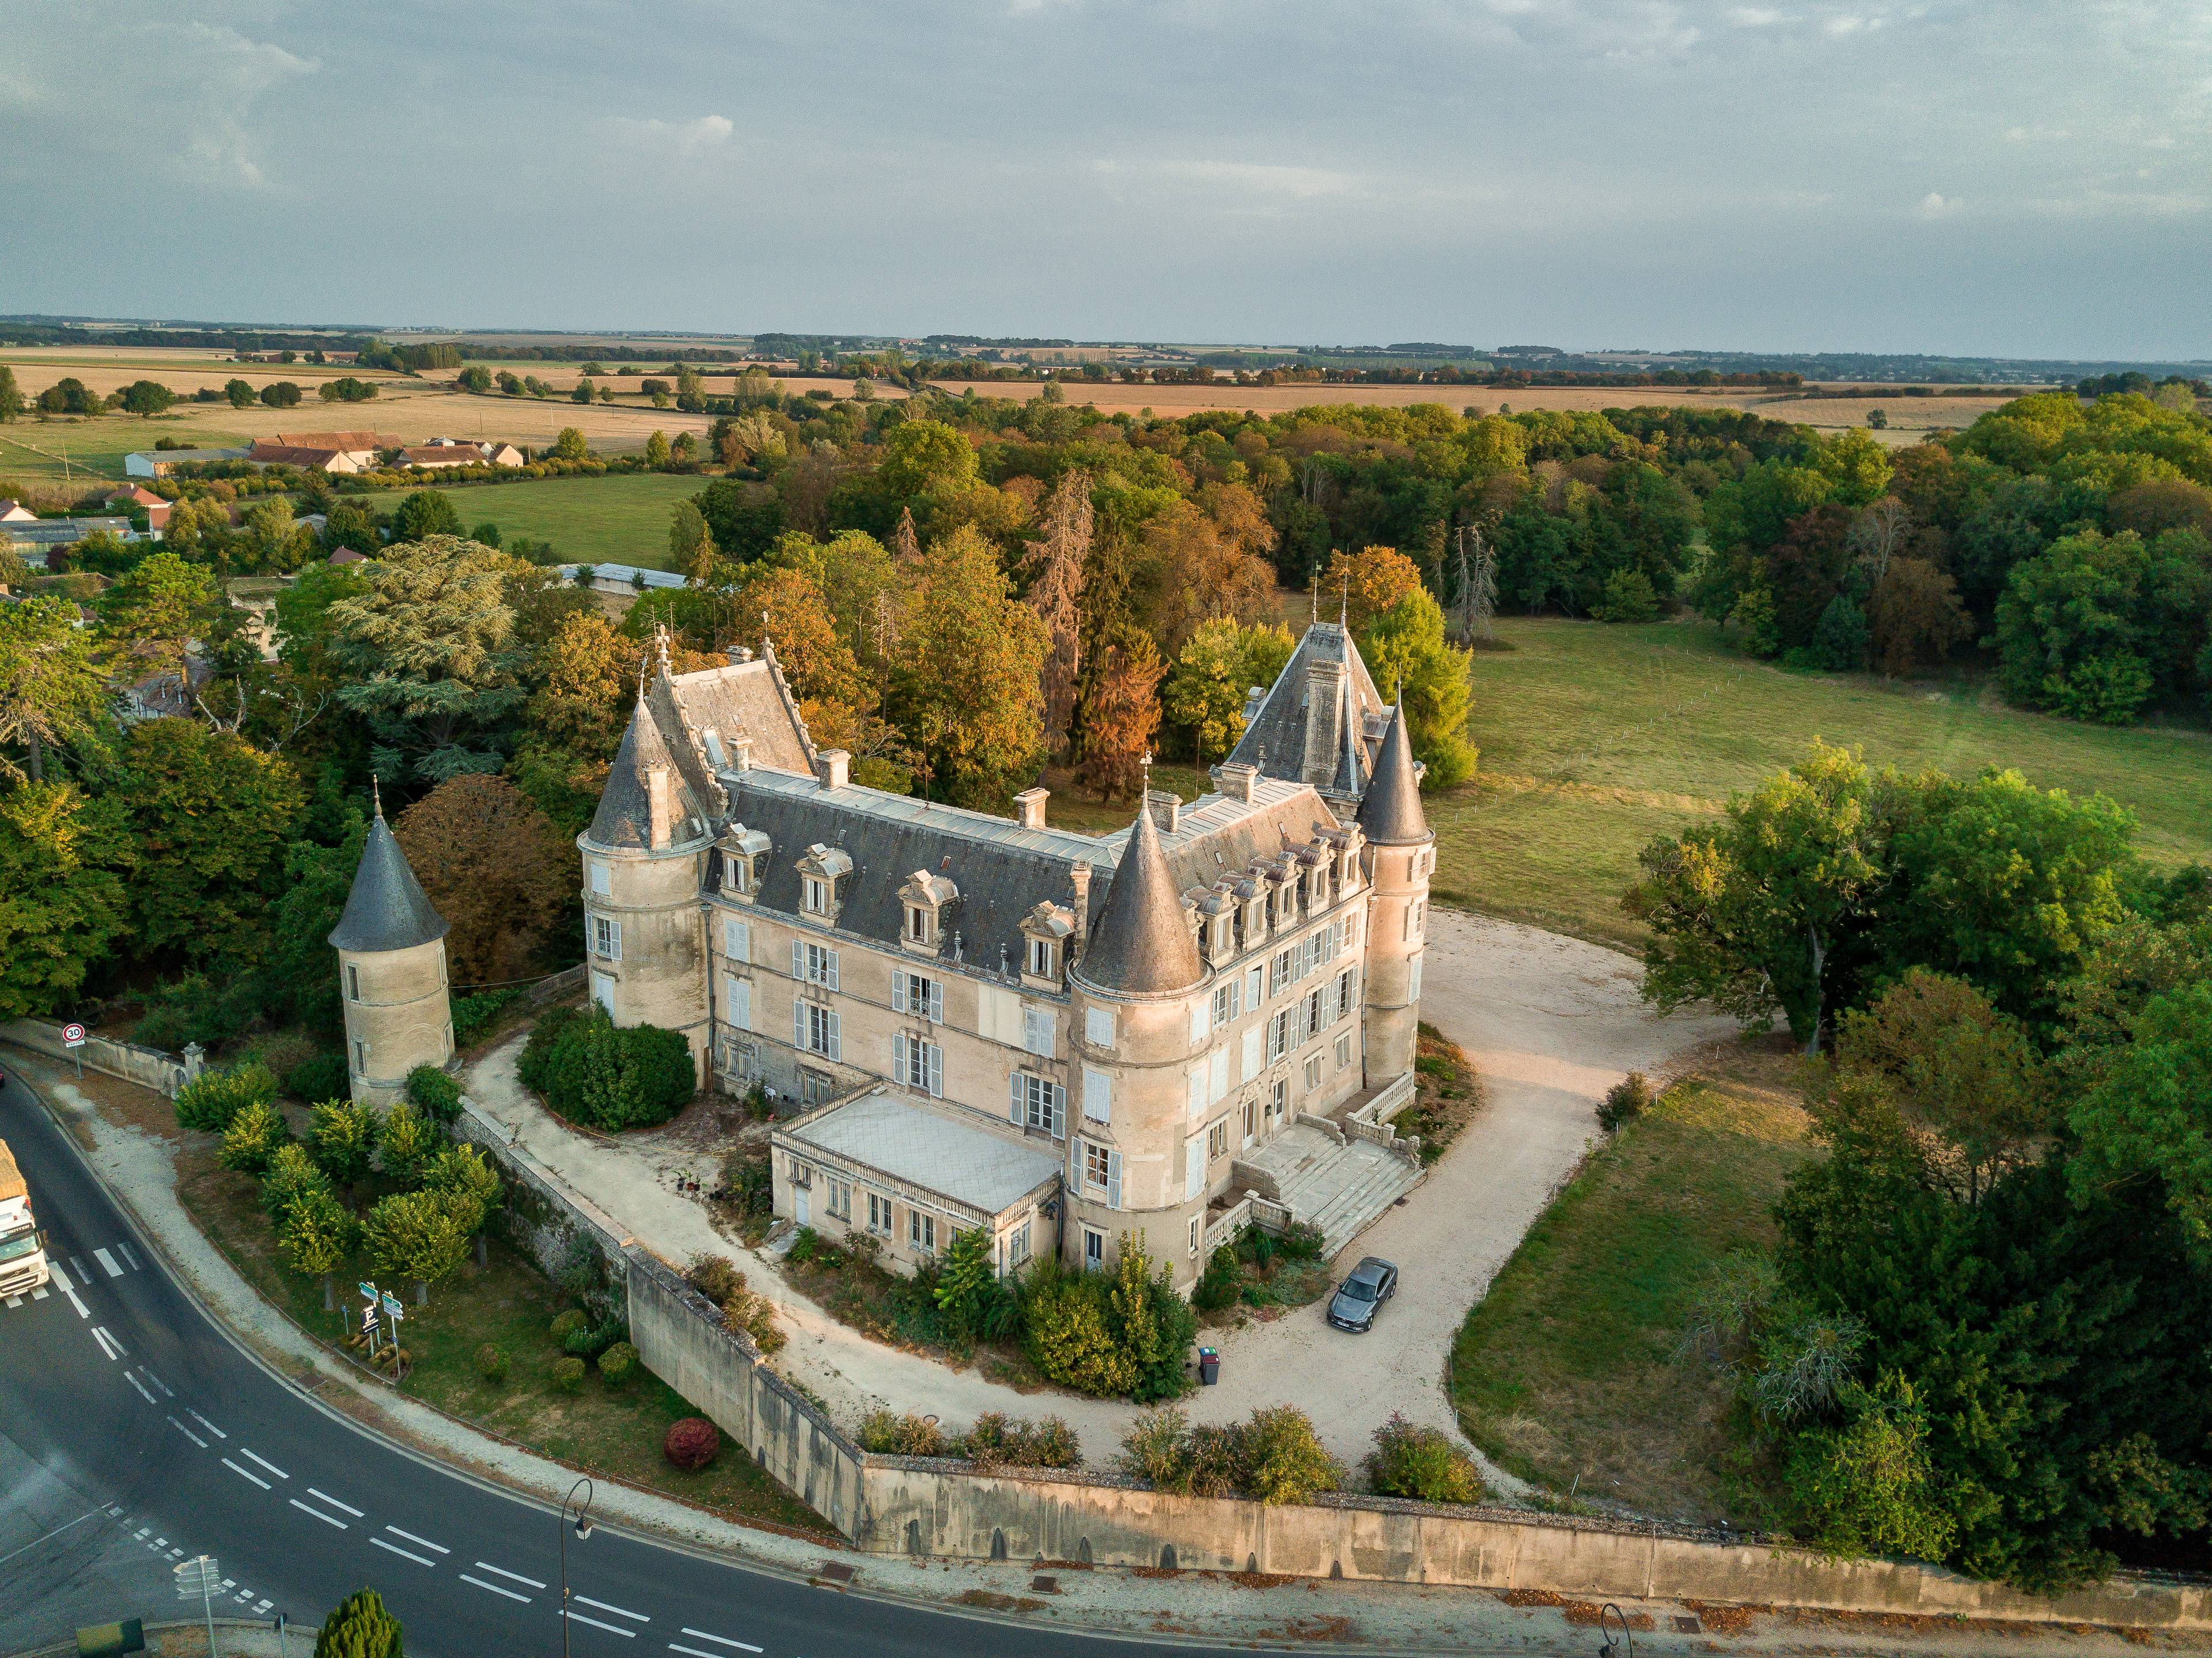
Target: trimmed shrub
[
  {"x": 713, "y": 1277},
  {"x": 1421, "y": 1462},
  {"x": 320, "y": 1077},
  {"x": 359, "y": 1627},
  {"x": 566, "y": 1324},
  {"x": 999, "y": 1441},
  {"x": 1629, "y": 596},
  {"x": 1629, "y": 1097},
  {"x": 568, "y": 1375},
  {"x": 404, "y": 1140},
  {"x": 437, "y": 1094},
  {"x": 910, "y": 1435},
  {"x": 342, "y": 1138},
  {"x": 618, "y": 1364},
  {"x": 253, "y": 1138},
  {"x": 291, "y": 1175},
  {"x": 591, "y": 1343},
  {"x": 472, "y": 1015},
  {"x": 1275, "y": 1456},
  {"x": 1217, "y": 1286},
  {"x": 692, "y": 1443},
  {"x": 211, "y": 1100},
  {"x": 1283, "y": 1457},
  {"x": 611, "y": 1080},
  {"x": 492, "y": 1362},
  {"x": 533, "y": 1066}
]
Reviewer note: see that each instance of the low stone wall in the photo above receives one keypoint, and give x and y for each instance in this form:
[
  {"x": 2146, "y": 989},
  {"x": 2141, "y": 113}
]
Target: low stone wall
[
  {"x": 148, "y": 1068},
  {"x": 921, "y": 1507}
]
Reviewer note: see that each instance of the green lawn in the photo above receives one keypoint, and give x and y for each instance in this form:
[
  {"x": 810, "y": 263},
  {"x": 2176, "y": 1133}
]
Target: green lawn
[
  {"x": 1567, "y": 1373},
  {"x": 604, "y": 521},
  {"x": 1595, "y": 738},
  {"x": 93, "y": 446}
]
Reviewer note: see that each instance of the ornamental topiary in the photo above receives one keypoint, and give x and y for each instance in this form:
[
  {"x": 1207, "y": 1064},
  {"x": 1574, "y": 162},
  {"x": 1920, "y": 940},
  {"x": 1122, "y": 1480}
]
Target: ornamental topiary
[
  {"x": 692, "y": 1443},
  {"x": 492, "y": 1362},
  {"x": 210, "y": 1099},
  {"x": 359, "y": 1627},
  {"x": 568, "y": 1323},
  {"x": 568, "y": 1375},
  {"x": 618, "y": 1364},
  {"x": 592, "y": 1073}
]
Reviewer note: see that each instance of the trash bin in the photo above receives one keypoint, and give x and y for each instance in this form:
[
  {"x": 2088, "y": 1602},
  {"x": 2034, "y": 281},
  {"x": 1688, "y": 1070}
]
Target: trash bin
[{"x": 1209, "y": 1367}]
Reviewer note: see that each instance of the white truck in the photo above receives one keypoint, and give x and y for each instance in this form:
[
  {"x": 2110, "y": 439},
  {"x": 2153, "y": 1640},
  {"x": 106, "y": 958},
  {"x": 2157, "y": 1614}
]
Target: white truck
[{"x": 22, "y": 1245}]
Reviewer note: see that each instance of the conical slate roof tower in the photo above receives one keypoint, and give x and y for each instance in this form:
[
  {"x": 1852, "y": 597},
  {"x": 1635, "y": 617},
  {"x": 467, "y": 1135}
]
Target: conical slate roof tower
[
  {"x": 1142, "y": 943},
  {"x": 1390, "y": 812},
  {"x": 387, "y": 908}
]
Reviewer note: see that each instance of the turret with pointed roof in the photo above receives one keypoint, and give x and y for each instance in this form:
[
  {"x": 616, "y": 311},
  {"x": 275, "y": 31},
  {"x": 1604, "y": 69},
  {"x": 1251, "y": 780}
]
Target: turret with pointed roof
[
  {"x": 1141, "y": 944},
  {"x": 392, "y": 972},
  {"x": 625, "y": 815},
  {"x": 1390, "y": 812}
]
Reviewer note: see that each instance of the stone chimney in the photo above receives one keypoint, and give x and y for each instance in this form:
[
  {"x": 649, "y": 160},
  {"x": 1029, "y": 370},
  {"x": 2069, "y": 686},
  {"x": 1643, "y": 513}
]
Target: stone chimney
[
  {"x": 1079, "y": 878},
  {"x": 1029, "y": 808},
  {"x": 740, "y": 654},
  {"x": 1166, "y": 808},
  {"x": 1327, "y": 684},
  {"x": 659, "y": 808},
  {"x": 1236, "y": 780},
  {"x": 831, "y": 765}
]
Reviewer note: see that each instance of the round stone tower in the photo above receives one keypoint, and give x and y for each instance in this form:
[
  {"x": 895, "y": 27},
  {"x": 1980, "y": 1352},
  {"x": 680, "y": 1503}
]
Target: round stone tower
[
  {"x": 1137, "y": 996},
  {"x": 1400, "y": 856},
  {"x": 392, "y": 972},
  {"x": 644, "y": 855}
]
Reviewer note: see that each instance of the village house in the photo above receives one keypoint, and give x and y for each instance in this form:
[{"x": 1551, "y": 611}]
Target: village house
[{"x": 974, "y": 1021}]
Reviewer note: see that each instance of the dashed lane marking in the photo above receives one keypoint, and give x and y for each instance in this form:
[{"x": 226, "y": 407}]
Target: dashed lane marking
[
  {"x": 611, "y": 1629},
  {"x": 440, "y": 1547},
  {"x": 328, "y": 1520},
  {"x": 501, "y": 1571},
  {"x": 108, "y": 1344},
  {"x": 495, "y": 1588},
  {"x": 261, "y": 1607},
  {"x": 136, "y": 1266},
  {"x": 62, "y": 1282},
  {"x": 108, "y": 1262},
  {"x": 82, "y": 1277},
  {"x": 406, "y": 1554},
  {"x": 619, "y": 1611},
  {"x": 141, "y": 1387},
  {"x": 344, "y": 1508},
  {"x": 264, "y": 1462},
  {"x": 243, "y": 1474},
  {"x": 700, "y": 1652},
  {"x": 147, "y": 1370},
  {"x": 205, "y": 1423},
  {"x": 177, "y": 1425},
  {"x": 38, "y": 1294},
  {"x": 718, "y": 1640}
]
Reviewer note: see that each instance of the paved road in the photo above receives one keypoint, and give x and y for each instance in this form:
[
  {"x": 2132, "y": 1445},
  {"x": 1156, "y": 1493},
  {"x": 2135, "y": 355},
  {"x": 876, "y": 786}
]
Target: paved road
[{"x": 133, "y": 1433}]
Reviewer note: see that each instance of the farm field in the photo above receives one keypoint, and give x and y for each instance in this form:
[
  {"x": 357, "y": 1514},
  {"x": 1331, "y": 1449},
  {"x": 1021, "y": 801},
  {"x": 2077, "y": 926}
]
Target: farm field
[
  {"x": 589, "y": 521},
  {"x": 1595, "y": 738}
]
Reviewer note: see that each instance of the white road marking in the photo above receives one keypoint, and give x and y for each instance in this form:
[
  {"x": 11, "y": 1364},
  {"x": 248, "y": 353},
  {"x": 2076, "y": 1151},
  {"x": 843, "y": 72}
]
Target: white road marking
[
  {"x": 722, "y": 1640},
  {"x": 243, "y": 1474},
  {"x": 108, "y": 1261},
  {"x": 177, "y": 1425},
  {"x": 168, "y": 1391},
  {"x": 424, "y": 1541},
  {"x": 136, "y": 1266},
  {"x": 326, "y": 1519},
  {"x": 409, "y": 1554},
  {"x": 62, "y": 1282},
  {"x": 77, "y": 1262},
  {"x": 141, "y": 1535},
  {"x": 264, "y": 1462},
  {"x": 141, "y": 1387},
  {"x": 501, "y": 1571},
  {"x": 38, "y": 1294},
  {"x": 205, "y": 1423},
  {"x": 108, "y": 1344},
  {"x": 160, "y": 1542},
  {"x": 262, "y": 1607},
  {"x": 619, "y": 1611},
  {"x": 176, "y": 1554},
  {"x": 495, "y": 1588},
  {"x": 611, "y": 1629},
  {"x": 696, "y": 1653},
  {"x": 346, "y": 1508}
]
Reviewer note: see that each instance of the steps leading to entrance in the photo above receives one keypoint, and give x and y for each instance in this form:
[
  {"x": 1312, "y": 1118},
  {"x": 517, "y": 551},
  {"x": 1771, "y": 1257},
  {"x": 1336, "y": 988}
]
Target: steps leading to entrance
[{"x": 1340, "y": 1189}]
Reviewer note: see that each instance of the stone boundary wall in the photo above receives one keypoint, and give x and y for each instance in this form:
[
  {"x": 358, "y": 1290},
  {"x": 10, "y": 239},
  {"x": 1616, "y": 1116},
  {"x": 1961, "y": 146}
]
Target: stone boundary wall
[
  {"x": 544, "y": 1213},
  {"x": 922, "y": 1508},
  {"x": 165, "y": 1073}
]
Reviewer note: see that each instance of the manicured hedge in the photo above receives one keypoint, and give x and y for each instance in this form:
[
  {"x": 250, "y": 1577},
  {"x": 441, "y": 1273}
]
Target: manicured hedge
[{"x": 592, "y": 1073}]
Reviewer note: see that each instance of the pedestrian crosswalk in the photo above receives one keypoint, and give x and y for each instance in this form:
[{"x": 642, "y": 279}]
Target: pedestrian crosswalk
[{"x": 71, "y": 1273}]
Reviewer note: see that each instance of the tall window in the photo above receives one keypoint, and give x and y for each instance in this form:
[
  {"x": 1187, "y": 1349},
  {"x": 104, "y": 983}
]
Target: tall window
[
  {"x": 1216, "y": 1140},
  {"x": 1313, "y": 1014},
  {"x": 918, "y": 1064},
  {"x": 1038, "y": 1102},
  {"x": 606, "y": 937},
  {"x": 1344, "y": 992},
  {"x": 816, "y": 895},
  {"x": 921, "y": 1232},
  {"x": 1097, "y": 1165},
  {"x": 1094, "y": 1250},
  {"x": 737, "y": 940},
  {"x": 353, "y": 982},
  {"x": 361, "y": 1059},
  {"x": 879, "y": 1215},
  {"x": 1279, "y": 1036},
  {"x": 816, "y": 1029},
  {"x": 920, "y": 995},
  {"x": 816, "y": 964},
  {"x": 1045, "y": 956},
  {"x": 1037, "y": 1031}
]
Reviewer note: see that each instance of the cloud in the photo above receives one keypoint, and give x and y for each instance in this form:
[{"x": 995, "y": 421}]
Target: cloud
[
  {"x": 1933, "y": 206},
  {"x": 684, "y": 137},
  {"x": 1753, "y": 17},
  {"x": 1257, "y": 178}
]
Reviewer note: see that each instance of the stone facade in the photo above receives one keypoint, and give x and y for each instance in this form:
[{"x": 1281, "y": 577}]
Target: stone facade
[{"x": 1140, "y": 1010}]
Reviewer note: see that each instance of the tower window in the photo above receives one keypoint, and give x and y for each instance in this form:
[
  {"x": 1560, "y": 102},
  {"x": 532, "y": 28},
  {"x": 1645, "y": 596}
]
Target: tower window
[{"x": 353, "y": 982}]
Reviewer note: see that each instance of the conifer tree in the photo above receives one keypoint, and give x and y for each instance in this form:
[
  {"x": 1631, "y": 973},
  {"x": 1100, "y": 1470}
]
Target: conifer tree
[{"x": 360, "y": 1627}]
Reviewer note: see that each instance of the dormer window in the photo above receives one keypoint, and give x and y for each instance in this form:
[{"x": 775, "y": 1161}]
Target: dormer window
[
  {"x": 1045, "y": 932},
  {"x": 820, "y": 872},
  {"x": 927, "y": 899},
  {"x": 1044, "y": 959},
  {"x": 744, "y": 852}
]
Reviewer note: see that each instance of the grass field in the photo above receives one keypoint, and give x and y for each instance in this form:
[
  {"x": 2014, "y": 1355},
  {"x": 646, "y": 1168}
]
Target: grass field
[
  {"x": 1594, "y": 739},
  {"x": 621, "y": 520},
  {"x": 1567, "y": 1371}
]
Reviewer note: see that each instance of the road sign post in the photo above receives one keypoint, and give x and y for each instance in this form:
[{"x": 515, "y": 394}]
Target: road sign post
[
  {"x": 200, "y": 1575},
  {"x": 393, "y": 1312},
  {"x": 73, "y": 1040}
]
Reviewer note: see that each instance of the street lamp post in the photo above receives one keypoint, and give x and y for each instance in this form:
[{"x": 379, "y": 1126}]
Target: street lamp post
[{"x": 583, "y": 1525}]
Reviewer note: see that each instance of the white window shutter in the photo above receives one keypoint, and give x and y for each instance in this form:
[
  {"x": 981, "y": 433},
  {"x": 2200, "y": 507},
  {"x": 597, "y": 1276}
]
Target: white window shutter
[
  {"x": 836, "y": 1045},
  {"x": 832, "y": 954},
  {"x": 1253, "y": 986},
  {"x": 1217, "y": 1082},
  {"x": 1199, "y": 1014},
  {"x": 936, "y": 1056},
  {"x": 1097, "y": 1096},
  {"x": 898, "y": 1057},
  {"x": 740, "y": 999},
  {"x": 798, "y": 1023},
  {"x": 1018, "y": 1095},
  {"x": 1098, "y": 1026},
  {"x": 798, "y": 959},
  {"x": 1113, "y": 1179},
  {"x": 937, "y": 1001},
  {"x": 1059, "y": 1111},
  {"x": 1194, "y": 1168},
  {"x": 1253, "y": 1038},
  {"x": 1413, "y": 986},
  {"x": 898, "y": 993},
  {"x": 1198, "y": 1089}
]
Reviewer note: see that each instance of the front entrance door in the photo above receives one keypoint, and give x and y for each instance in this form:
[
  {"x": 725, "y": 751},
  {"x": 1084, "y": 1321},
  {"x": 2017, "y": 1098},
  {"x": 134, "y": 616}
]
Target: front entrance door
[{"x": 800, "y": 1206}]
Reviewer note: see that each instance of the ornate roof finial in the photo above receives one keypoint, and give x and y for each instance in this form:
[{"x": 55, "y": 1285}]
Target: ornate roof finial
[
  {"x": 1145, "y": 786},
  {"x": 376, "y": 794},
  {"x": 660, "y": 646},
  {"x": 1344, "y": 600}
]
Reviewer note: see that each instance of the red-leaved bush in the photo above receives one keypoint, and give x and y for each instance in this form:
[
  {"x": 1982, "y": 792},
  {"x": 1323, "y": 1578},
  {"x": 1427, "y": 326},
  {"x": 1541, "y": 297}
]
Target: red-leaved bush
[{"x": 692, "y": 1442}]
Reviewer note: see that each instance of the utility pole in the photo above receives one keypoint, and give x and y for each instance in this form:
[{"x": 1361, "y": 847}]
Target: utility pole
[{"x": 199, "y": 1575}]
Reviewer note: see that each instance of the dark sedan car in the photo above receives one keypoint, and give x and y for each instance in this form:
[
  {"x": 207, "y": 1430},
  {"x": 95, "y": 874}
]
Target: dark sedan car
[{"x": 1373, "y": 1282}]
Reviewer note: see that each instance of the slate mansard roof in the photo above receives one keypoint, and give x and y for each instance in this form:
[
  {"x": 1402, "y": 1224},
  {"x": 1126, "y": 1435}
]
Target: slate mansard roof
[
  {"x": 387, "y": 908},
  {"x": 1143, "y": 944},
  {"x": 1274, "y": 740}
]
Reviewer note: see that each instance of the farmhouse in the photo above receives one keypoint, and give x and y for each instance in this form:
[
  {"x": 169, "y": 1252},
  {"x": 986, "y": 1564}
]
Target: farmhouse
[
  {"x": 985, "y": 1022},
  {"x": 159, "y": 462}
]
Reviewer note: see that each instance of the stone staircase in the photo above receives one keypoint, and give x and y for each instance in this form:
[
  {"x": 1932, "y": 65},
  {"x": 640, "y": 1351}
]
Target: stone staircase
[{"x": 1339, "y": 1185}]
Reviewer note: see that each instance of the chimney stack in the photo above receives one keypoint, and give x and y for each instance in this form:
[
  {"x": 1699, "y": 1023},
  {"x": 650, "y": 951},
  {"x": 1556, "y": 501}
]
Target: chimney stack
[
  {"x": 1235, "y": 780},
  {"x": 1166, "y": 808},
  {"x": 1029, "y": 808},
  {"x": 1327, "y": 683},
  {"x": 832, "y": 764},
  {"x": 1079, "y": 878},
  {"x": 660, "y": 816},
  {"x": 740, "y": 654}
]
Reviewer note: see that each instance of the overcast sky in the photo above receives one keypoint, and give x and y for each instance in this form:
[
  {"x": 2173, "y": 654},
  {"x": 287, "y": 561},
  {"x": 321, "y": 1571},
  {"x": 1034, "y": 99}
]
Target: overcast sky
[{"x": 1970, "y": 176}]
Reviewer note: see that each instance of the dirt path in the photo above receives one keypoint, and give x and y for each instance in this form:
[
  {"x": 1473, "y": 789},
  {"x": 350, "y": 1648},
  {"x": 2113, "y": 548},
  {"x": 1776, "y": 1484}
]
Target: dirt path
[{"x": 1550, "y": 1022}]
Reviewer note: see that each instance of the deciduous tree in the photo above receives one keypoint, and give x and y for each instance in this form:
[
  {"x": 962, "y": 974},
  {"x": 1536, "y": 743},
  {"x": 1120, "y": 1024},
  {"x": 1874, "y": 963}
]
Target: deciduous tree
[
  {"x": 50, "y": 694},
  {"x": 157, "y": 608},
  {"x": 61, "y": 903},
  {"x": 1056, "y": 562},
  {"x": 1121, "y": 712},
  {"x": 494, "y": 867},
  {"x": 967, "y": 688}
]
